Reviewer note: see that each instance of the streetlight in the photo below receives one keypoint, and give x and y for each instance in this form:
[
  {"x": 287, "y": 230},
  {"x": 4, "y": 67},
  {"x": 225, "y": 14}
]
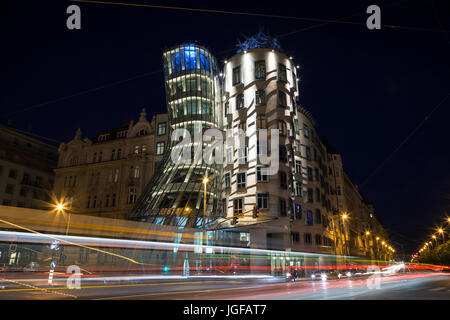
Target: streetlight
[{"x": 60, "y": 207}]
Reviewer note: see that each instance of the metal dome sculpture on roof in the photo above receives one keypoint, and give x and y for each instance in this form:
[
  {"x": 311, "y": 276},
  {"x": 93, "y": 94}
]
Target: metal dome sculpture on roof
[{"x": 260, "y": 40}]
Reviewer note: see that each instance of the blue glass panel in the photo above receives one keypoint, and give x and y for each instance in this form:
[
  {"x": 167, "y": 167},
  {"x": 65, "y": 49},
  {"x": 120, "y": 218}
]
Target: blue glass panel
[
  {"x": 176, "y": 62},
  {"x": 190, "y": 56},
  {"x": 206, "y": 107},
  {"x": 204, "y": 62}
]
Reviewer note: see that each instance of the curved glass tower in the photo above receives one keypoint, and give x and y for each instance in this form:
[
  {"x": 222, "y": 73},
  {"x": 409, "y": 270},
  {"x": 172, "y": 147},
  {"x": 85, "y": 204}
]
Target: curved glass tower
[{"x": 175, "y": 194}]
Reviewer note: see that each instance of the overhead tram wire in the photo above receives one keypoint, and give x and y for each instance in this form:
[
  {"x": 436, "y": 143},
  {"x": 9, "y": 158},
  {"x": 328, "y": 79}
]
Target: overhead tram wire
[
  {"x": 80, "y": 93},
  {"x": 404, "y": 141},
  {"x": 254, "y": 14}
]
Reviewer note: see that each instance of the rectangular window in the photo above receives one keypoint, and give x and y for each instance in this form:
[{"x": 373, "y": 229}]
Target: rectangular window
[
  {"x": 310, "y": 174},
  {"x": 131, "y": 195},
  {"x": 238, "y": 206},
  {"x": 192, "y": 107},
  {"x": 261, "y": 174},
  {"x": 298, "y": 166},
  {"x": 298, "y": 188},
  {"x": 318, "y": 216},
  {"x": 229, "y": 155},
  {"x": 305, "y": 130},
  {"x": 308, "y": 153},
  {"x": 282, "y": 127},
  {"x": 224, "y": 206},
  {"x": 160, "y": 148},
  {"x": 298, "y": 211},
  {"x": 296, "y": 127},
  {"x": 12, "y": 173},
  {"x": 282, "y": 207},
  {"x": 260, "y": 69},
  {"x": 307, "y": 238},
  {"x": 241, "y": 180},
  {"x": 283, "y": 153},
  {"x": 294, "y": 80},
  {"x": 282, "y": 75},
  {"x": 282, "y": 99},
  {"x": 242, "y": 154},
  {"x": 237, "y": 75},
  {"x": 262, "y": 200},
  {"x": 161, "y": 128},
  {"x": 227, "y": 107},
  {"x": 283, "y": 180},
  {"x": 309, "y": 218},
  {"x": 191, "y": 84},
  {"x": 261, "y": 147},
  {"x": 227, "y": 179},
  {"x": 317, "y": 194},
  {"x": 261, "y": 121},
  {"x": 9, "y": 189},
  {"x": 240, "y": 101},
  {"x": 310, "y": 195},
  {"x": 295, "y": 237},
  {"x": 318, "y": 239},
  {"x": 260, "y": 97},
  {"x": 298, "y": 146}
]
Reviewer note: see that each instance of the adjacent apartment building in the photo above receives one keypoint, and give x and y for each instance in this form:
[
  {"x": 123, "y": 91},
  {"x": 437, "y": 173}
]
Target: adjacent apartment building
[
  {"x": 104, "y": 176},
  {"x": 26, "y": 169}
]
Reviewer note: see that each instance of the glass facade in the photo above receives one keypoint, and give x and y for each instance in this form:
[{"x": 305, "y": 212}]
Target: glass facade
[{"x": 175, "y": 195}]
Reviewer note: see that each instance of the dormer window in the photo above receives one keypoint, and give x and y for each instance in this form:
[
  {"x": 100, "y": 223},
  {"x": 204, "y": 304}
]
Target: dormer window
[
  {"x": 142, "y": 132},
  {"x": 103, "y": 137},
  {"x": 122, "y": 134}
]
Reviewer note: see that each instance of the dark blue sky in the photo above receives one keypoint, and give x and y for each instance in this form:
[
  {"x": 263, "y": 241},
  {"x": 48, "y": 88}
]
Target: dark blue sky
[{"x": 366, "y": 89}]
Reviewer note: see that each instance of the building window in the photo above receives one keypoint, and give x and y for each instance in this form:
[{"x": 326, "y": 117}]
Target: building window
[
  {"x": 131, "y": 195},
  {"x": 192, "y": 107},
  {"x": 242, "y": 154},
  {"x": 260, "y": 69},
  {"x": 294, "y": 80},
  {"x": 283, "y": 180},
  {"x": 237, "y": 75},
  {"x": 13, "y": 173},
  {"x": 310, "y": 195},
  {"x": 229, "y": 155},
  {"x": 283, "y": 153},
  {"x": 309, "y": 218},
  {"x": 317, "y": 194},
  {"x": 94, "y": 202},
  {"x": 159, "y": 148},
  {"x": 161, "y": 128},
  {"x": 318, "y": 216},
  {"x": 307, "y": 238},
  {"x": 282, "y": 75},
  {"x": 295, "y": 237},
  {"x": 113, "y": 154},
  {"x": 107, "y": 201},
  {"x": 298, "y": 188},
  {"x": 308, "y": 153},
  {"x": 238, "y": 206},
  {"x": 119, "y": 153},
  {"x": 134, "y": 172},
  {"x": 298, "y": 166},
  {"x": 9, "y": 189},
  {"x": 305, "y": 130},
  {"x": 23, "y": 192},
  {"x": 282, "y": 127},
  {"x": 227, "y": 107},
  {"x": 240, "y": 101},
  {"x": 339, "y": 192},
  {"x": 261, "y": 174},
  {"x": 318, "y": 239},
  {"x": 88, "y": 204},
  {"x": 262, "y": 200},
  {"x": 298, "y": 212},
  {"x": 260, "y": 97},
  {"x": 224, "y": 206},
  {"x": 227, "y": 179},
  {"x": 113, "y": 200},
  {"x": 261, "y": 147},
  {"x": 241, "y": 180},
  {"x": 282, "y": 99},
  {"x": 282, "y": 207},
  {"x": 261, "y": 121}
]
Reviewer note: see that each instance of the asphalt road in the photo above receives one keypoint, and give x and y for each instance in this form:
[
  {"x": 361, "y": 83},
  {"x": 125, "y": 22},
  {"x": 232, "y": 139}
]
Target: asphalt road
[{"x": 433, "y": 286}]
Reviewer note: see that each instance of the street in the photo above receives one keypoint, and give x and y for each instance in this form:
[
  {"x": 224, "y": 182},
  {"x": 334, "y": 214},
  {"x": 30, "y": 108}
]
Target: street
[{"x": 423, "y": 286}]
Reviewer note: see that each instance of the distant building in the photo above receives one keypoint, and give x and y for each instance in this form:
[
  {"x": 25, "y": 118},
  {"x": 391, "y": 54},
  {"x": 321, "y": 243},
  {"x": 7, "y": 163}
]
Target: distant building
[
  {"x": 361, "y": 228},
  {"x": 105, "y": 175},
  {"x": 26, "y": 170}
]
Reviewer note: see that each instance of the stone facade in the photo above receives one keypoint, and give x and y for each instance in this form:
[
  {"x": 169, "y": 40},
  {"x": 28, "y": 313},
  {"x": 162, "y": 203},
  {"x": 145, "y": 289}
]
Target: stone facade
[
  {"x": 105, "y": 175},
  {"x": 26, "y": 170}
]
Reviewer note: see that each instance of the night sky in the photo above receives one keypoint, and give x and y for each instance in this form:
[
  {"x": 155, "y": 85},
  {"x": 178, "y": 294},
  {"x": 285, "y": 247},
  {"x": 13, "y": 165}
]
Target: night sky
[{"x": 367, "y": 89}]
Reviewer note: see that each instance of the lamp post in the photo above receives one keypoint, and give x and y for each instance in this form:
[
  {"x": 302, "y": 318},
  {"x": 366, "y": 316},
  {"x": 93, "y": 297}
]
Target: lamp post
[
  {"x": 60, "y": 208},
  {"x": 205, "y": 181},
  {"x": 441, "y": 231}
]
